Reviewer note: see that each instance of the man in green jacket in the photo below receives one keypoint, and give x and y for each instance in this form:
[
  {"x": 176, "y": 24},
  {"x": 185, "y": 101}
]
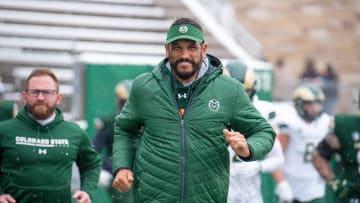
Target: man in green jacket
[
  {"x": 171, "y": 137},
  {"x": 38, "y": 148}
]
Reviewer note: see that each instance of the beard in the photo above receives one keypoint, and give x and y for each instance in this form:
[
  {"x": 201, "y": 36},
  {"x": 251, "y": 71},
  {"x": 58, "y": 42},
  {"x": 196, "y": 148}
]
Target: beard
[
  {"x": 185, "y": 75},
  {"x": 41, "y": 111}
]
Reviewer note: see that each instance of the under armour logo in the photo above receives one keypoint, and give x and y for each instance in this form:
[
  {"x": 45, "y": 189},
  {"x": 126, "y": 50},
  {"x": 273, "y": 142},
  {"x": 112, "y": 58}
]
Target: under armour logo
[
  {"x": 181, "y": 96},
  {"x": 42, "y": 151}
]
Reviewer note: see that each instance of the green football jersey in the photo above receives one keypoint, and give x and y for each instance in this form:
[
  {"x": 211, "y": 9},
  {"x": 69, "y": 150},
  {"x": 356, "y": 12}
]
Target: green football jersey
[{"x": 347, "y": 129}]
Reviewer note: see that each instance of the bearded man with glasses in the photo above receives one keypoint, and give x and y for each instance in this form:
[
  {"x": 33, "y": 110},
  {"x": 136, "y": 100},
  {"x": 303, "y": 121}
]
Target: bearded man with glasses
[{"x": 38, "y": 148}]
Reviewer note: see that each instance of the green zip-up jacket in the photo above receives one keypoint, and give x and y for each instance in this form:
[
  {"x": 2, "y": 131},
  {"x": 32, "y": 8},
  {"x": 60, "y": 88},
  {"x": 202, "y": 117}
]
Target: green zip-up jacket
[
  {"x": 185, "y": 159},
  {"x": 36, "y": 161}
]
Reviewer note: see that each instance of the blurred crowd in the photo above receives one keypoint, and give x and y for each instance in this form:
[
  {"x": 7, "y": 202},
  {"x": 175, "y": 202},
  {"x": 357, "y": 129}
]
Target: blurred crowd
[{"x": 286, "y": 79}]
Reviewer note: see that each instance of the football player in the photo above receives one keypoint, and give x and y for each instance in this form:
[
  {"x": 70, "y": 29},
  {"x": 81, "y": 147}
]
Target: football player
[
  {"x": 103, "y": 141},
  {"x": 302, "y": 126},
  {"x": 245, "y": 176},
  {"x": 343, "y": 140}
]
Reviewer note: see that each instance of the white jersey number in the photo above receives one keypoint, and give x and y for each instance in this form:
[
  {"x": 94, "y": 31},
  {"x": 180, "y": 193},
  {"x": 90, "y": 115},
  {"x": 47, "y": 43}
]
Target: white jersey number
[{"x": 309, "y": 148}]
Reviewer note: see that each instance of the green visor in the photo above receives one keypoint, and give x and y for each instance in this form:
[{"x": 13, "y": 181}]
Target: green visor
[{"x": 184, "y": 31}]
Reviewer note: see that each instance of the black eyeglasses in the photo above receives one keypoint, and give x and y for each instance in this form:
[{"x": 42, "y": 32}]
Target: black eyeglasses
[{"x": 36, "y": 92}]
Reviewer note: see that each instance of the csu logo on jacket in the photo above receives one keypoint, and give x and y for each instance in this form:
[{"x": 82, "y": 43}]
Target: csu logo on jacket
[{"x": 214, "y": 105}]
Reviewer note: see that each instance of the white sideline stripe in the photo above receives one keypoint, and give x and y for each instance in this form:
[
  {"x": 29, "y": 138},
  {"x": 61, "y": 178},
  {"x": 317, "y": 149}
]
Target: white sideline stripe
[
  {"x": 84, "y": 7},
  {"x": 54, "y": 59},
  {"x": 96, "y": 58},
  {"x": 38, "y": 59},
  {"x": 83, "y": 20},
  {"x": 80, "y": 46},
  {"x": 81, "y": 33},
  {"x": 137, "y": 2}
]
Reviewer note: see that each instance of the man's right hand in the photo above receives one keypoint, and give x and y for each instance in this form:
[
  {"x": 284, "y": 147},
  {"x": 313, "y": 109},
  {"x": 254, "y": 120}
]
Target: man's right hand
[
  {"x": 123, "y": 180},
  {"x": 5, "y": 198}
]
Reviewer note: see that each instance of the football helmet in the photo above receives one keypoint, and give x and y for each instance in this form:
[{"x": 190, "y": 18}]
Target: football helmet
[
  {"x": 309, "y": 101},
  {"x": 122, "y": 90},
  {"x": 243, "y": 73}
]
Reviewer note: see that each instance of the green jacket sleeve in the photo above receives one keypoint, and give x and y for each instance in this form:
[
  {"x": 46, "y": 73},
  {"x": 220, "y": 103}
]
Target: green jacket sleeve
[
  {"x": 89, "y": 163},
  {"x": 126, "y": 128},
  {"x": 248, "y": 121}
]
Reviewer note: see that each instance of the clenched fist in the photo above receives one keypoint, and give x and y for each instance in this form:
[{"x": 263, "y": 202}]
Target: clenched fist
[
  {"x": 123, "y": 180},
  {"x": 238, "y": 143}
]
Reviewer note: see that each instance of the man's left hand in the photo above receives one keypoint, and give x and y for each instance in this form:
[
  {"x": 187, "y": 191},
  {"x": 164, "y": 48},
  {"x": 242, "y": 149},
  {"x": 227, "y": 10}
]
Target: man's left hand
[
  {"x": 238, "y": 143},
  {"x": 81, "y": 197}
]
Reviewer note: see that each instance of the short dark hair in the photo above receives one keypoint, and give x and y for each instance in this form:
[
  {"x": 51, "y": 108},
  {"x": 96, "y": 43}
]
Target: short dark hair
[{"x": 42, "y": 72}]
